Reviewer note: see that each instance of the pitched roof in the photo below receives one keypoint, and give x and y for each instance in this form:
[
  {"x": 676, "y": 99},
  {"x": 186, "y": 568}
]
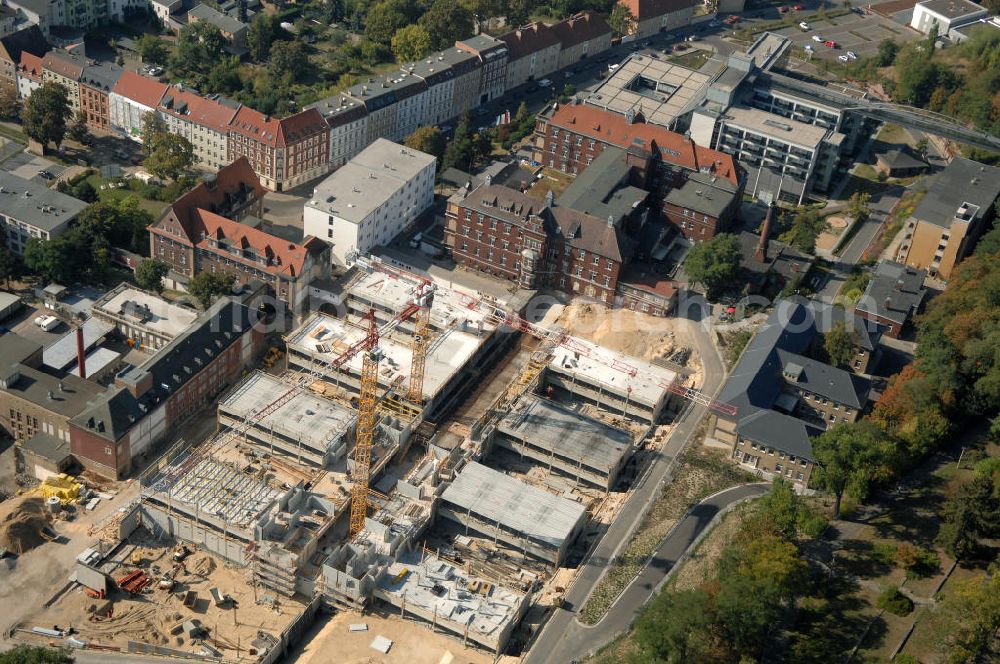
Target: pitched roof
[
  {"x": 613, "y": 128},
  {"x": 647, "y": 9},
  {"x": 529, "y": 39},
  {"x": 223, "y": 22},
  {"x": 69, "y": 65},
  {"x": 142, "y": 90},
  {"x": 504, "y": 203},
  {"x": 900, "y": 158},
  {"x": 29, "y": 39},
  {"x": 283, "y": 257},
  {"x": 480, "y": 43},
  {"x": 783, "y": 432},
  {"x": 580, "y": 28},
  {"x": 277, "y": 133},
  {"x": 101, "y": 76},
  {"x": 232, "y": 188},
  {"x": 827, "y": 381},
  {"x": 192, "y": 107},
  {"x": 30, "y": 66},
  {"x": 584, "y": 231},
  {"x": 895, "y": 292}
]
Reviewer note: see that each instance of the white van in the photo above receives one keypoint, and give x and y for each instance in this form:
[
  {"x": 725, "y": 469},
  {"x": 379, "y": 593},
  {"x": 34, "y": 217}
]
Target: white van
[{"x": 47, "y": 323}]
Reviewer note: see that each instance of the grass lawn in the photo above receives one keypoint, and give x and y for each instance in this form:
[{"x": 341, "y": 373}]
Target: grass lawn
[
  {"x": 552, "y": 180},
  {"x": 866, "y": 171},
  {"x": 692, "y": 59},
  {"x": 110, "y": 194},
  {"x": 892, "y": 133}
]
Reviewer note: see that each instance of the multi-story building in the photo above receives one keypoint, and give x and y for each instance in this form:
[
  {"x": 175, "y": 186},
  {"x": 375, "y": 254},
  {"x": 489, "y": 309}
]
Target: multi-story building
[
  {"x": 148, "y": 402},
  {"x": 533, "y": 53},
  {"x": 467, "y": 70},
  {"x": 10, "y": 21},
  {"x": 284, "y": 153},
  {"x": 493, "y": 55},
  {"x": 702, "y": 206},
  {"x": 782, "y": 397},
  {"x": 440, "y": 92},
  {"x": 130, "y": 100},
  {"x": 501, "y": 231},
  {"x": 234, "y": 31},
  {"x": 195, "y": 234},
  {"x": 580, "y": 36},
  {"x": 945, "y": 15},
  {"x": 395, "y": 105},
  {"x": 40, "y": 14},
  {"x": 895, "y": 294},
  {"x": 29, "y": 74},
  {"x": 65, "y": 68},
  {"x": 29, "y": 40},
  {"x": 30, "y": 210},
  {"x": 348, "y": 122},
  {"x": 370, "y": 199},
  {"x": 653, "y": 16},
  {"x": 946, "y": 225},
  {"x": 83, "y": 14},
  {"x": 164, "y": 9},
  {"x": 96, "y": 83},
  {"x": 145, "y": 320},
  {"x": 203, "y": 122}
]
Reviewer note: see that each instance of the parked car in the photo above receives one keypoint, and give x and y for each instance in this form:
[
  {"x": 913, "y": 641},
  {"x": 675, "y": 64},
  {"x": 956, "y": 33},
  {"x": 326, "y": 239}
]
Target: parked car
[
  {"x": 852, "y": 55},
  {"x": 47, "y": 323},
  {"x": 784, "y": 9},
  {"x": 830, "y": 43},
  {"x": 45, "y": 175},
  {"x": 804, "y": 26},
  {"x": 732, "y": 20},
  {"x": 809, "y": 48},
  {"x": 817, "y": 38},
  {"x": 545, "y": 83},
  {"x": 692, "y": 38},
  {"x": 155, "y": 71},
  {"x": 843, "y": 58},
  {"x": 416, "y": 240},
  {"x": 798, "y": 8}
]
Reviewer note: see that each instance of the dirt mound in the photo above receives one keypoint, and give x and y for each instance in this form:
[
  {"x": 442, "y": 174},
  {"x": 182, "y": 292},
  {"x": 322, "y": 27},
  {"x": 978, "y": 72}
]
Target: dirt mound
[
  {"x": 202, "y": 566},
  {"x": 625, "y": 331},
  {"x": 21, "y": 524}
]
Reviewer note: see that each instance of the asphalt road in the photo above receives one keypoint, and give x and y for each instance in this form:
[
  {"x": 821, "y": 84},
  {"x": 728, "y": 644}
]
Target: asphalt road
[{"x": 563, "y": 639}]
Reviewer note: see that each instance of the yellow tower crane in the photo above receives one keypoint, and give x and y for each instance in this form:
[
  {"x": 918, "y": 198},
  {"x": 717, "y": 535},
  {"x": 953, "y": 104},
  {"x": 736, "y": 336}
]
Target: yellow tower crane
[
  {"x": 366, "y": 426},
  {"x": 423, "y": 298}
]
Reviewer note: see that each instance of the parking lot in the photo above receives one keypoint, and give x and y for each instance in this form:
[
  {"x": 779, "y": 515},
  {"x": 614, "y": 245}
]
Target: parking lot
[
  {"x": 28, "y": 166},
  {"x": 851, "y": 32}
]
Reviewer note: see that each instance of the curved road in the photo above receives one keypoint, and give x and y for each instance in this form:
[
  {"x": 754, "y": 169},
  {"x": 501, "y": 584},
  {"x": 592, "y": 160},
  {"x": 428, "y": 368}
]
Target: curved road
[{"x": 562, "y": 638}]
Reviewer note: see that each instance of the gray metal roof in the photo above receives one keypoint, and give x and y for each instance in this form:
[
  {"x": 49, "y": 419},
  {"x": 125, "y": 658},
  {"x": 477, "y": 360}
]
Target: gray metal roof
[
  {"x": 62, "y": 353},
  {"x": 602, "y": 190},
  {"x": 703, "y": 193},
  {"x": 500, "y": 499},
  {"x": 222, "y": 21},
  {"x": 102, "y": 76},
  {"x": 47, "y": 446},
  {"x": 827, "y": 381},
  {"x": 14, "y": 349},
  {"x": 827, "y": 315},
  {"x": 483, "y": 42},
  {"x": 68, "y": 400},
  {"x": 961, "y": 181},
  {"x": 952, "y": 9},
  {"x": 35, "y": 204},
  {"x": 895, "y": 292},
  {"x": 777, "y": 430}
]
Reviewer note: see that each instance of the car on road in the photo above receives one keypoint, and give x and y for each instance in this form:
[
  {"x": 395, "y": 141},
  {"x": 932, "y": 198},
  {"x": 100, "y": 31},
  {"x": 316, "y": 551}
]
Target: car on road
[
  {"x": 830, "y": 43},
  {"x": 798, "y": 8},
  {"x": 692, "y": 38},
  {"x": 613, "y": 66},
  {"x": 843, "y": 58},
  {"x": 805, "y": 26},
  {"x": 852, "y": 55},
  {"x": 45, "y": 175},
  {"x": 784, "y": 9},
  {"x": 545, "y": 83},
  {"x": 817, "y": 38},
  {"x": 733, "y": 19}
]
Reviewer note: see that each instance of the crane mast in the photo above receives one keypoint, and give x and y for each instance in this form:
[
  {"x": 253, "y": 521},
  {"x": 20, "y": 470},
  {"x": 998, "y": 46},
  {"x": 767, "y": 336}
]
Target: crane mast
[
  {"x": 423, "y": 298},
  {"x": 366, "y": 426}
]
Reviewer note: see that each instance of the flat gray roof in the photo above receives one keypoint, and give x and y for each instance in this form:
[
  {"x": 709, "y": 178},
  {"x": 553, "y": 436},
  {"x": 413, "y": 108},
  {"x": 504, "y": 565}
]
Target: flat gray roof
[
  {"x": 952, "y": 9},
  {"x": 783, "y": 129},
  {"x": 35, "y": 204},
  {"x": 147, "y": 310},
  {"x": 500, "y": 499},
  {"x": 360, "y": 186},
  {"x": 545, "y": 424},
  {"x": 705, "y": 194},
  {"x": 961, "y": 181},
  {"x": 62, "y": 353}
]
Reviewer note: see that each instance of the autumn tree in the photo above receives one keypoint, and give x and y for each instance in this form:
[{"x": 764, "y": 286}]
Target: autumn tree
[
  {"x": 621, "y": 20},
  {"x": 427, "y": 139},
  {"x": 410, "y": 43}
]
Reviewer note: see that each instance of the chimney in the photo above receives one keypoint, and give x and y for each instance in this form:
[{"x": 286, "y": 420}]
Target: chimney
[
  {"x": 550, "y": 198},
  {"x": 611, "y": 221},
  {"x": 761, "y": 254},
  {"x": 899, "y": 284},
  {"x": 81, "y": 355}
]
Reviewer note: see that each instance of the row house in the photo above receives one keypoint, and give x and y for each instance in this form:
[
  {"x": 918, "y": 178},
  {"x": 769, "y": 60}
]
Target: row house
[
  {"x": 580, "y": 36},
  {"x": 203, "y": 122},
  {"x": 284, "y": 153},
  {"x": 395, "y": 105},
  {"x": 503, "y": 232},
  {"x": 211, "y": 229},
  {"x": 148, "y": 402},
  {"x": 29, "y": 40},
  {"x": 570, "y": 137},
  {"x": 348, "y": 122},
  {"x": 653, "y": 16},
  {"x": 96, "y": 83},
  {"x": 493, "y": 55},
  {"x": 29, "y": 74},
  {"x": 130, "y": 100},
  {"x": 533, "y": 53},
  {"x": 65, "y": 68}
]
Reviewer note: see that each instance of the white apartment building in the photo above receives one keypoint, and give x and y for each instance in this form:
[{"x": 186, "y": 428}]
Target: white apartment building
[
  {"x": 348, "y": 121},
  {"x": 130, "y": 100},
  {"x": 30, "y": 210},
  {"x": 946, "y": 15},
  {"x": 440, "y": 94},
  {"x": 412, "y": 105},
  {"x": 370, "y": 199}
]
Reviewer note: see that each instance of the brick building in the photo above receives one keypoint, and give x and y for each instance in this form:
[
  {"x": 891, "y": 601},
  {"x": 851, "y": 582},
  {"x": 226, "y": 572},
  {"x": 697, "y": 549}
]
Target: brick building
[
  {"x": 284, "y": 153},
  {"x": 196, "y": 234},
  {"x": 571, "y": 137},
  {"x": 96, "y": 83},
  {"x": 493, "y": 54},
  {"x": 149, "y": 401}
]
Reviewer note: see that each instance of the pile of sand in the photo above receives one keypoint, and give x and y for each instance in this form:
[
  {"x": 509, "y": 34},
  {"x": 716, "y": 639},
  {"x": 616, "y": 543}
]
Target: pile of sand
[
  {"x": 21, "y": 524},
  {"x": 623, "y": 330}
]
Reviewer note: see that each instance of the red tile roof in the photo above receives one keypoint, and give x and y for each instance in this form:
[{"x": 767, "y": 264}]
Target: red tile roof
[
  {"x": 234, "y": 182},
  {"x": 187, "y": 105},
  {"x": 529, "y": 39},
  {"x": 580, "y": 28},
  {"x": 140, "y": 89},
  {"x": 639, "y": 278},
  {"x": 613, "y": 128},
  {"x": 30, "y": 66},
  {"x": 69, "y": 65},
  {"x": 274, "y": 132},
  {"x": 647, "y": 9},
  {"x": 285, "y": 257}
]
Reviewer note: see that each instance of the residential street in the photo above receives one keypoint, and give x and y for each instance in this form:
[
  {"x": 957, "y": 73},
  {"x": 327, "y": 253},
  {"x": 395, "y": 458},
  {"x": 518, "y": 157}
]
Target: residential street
[{"x": 563, "y": 639}]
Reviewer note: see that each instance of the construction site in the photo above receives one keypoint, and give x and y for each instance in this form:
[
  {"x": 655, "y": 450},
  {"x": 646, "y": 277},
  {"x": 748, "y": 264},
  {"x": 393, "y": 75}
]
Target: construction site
[{"x": 429, "y": 453}]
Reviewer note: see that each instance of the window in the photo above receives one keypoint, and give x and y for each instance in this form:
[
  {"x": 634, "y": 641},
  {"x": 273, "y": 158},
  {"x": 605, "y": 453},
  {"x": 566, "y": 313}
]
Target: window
[
  {"x": 597, "y": 260},
  {"x": 777, "y": 468}
]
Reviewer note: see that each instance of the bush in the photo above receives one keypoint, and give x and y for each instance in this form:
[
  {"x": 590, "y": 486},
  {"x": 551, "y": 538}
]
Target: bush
[
  {"x": 812, "y": 524},
  {"x": 895, "y": 602},
  {"x": 917, "y": 562},
  {"x": 905, "y": 658},
  {"x": 884, "y": 553}
]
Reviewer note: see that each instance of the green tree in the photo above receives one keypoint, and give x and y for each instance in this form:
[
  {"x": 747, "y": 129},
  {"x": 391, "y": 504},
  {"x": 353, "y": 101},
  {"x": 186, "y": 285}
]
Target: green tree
[
  {"x": 153, "y": 127},
  {"x": 121, "y": 221},
  {"x": 167, "y": 155},
  {"x": 152, "y": 49},
  {"x": 887, "y": 50},
  {"x": 714, "y": 263},
  {"x": 839, "y": 343},
  {"x": 857, "y": 205},
  {"x": 149, "y": 274},
  {"x": 45, "y": 114},
  {"x": 11, "y": 266},
  {"x": 288, "y": 58},
  {"x": 461, "y": 152},
  {"x": 207, "y": 286},
  {"x": 384, "y": 19},
  {"x": 410, "y": 43},
  {"x": 60, "y": 259},
  {"x": 260, "y": 35},
  {"x": 805, "y": 228},
  {"x": 10, "y": 105},
  {"x": 621, "y": 20},
  {"x": 969, "y": 615},
  {"x": 224, "y": 77},
  {"x": 445, "y": 21},
  {"x": 24, "y": 654},
  {"x": 989, "y": 243},
  {"x": 851, "y": 457},
  {"x": 78, "y": 130},
  {"x": 428, "y": 140},
  {"x": 677, "y": 628},
  {"x": 971, "y": 515}
]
